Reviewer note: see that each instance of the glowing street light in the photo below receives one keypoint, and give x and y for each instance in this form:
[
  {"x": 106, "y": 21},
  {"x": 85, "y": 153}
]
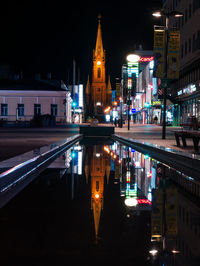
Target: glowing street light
[
  {"x": 133, "y": 58},
  {"x": 166, "y": 15},
  {"x": 173, "y": 13},
  {"x": 157, "y": 14}
]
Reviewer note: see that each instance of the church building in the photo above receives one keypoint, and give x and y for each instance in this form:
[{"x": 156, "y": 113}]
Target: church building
[{"x": 98, "y": 94}]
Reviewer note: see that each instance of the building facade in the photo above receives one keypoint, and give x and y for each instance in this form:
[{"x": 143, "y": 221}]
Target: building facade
[
  {"x": 186, "y": 90},
  {"x": 21, "y": 100}
]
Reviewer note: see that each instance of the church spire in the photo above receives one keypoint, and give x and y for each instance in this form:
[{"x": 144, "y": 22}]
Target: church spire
[
  {"x": 87, "y": 90},
  {"x": 99, "y": 52}
]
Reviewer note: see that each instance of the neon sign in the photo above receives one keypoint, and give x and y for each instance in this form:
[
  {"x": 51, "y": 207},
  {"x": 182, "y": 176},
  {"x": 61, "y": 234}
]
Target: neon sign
[
  {"x": 143, "y": 201},
  {"x": 146, "y": 59}
]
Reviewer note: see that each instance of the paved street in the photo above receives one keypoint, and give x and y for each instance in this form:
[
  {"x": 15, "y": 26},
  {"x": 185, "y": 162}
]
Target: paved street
[{"x": 20, "y": 140}]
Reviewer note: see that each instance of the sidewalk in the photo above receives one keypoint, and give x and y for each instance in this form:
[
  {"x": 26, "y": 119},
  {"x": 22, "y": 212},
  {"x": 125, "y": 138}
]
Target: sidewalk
[
  {"x": 153, "y": 134},
  {"x": 17, "y": 141}
]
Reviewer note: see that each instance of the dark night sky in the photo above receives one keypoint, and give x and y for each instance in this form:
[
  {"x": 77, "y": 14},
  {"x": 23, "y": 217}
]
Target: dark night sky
[{"x": 44, "y": 36}]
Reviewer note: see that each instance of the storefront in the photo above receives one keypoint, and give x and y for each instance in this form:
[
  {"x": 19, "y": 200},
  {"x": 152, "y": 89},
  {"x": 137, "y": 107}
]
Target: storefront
[
  {"x": 190, "y": 102},
  {"x": 156, "y": 111}
]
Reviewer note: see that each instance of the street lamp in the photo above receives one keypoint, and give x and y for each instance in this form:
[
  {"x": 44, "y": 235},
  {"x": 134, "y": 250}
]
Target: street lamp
[
  {"x": 131, "y": 59},
  {"x": 166, "y": 15}
]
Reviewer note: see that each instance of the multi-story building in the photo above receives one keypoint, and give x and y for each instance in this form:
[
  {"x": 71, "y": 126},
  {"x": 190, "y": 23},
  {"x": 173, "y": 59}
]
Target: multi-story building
[{"x": 187, "y": 88}]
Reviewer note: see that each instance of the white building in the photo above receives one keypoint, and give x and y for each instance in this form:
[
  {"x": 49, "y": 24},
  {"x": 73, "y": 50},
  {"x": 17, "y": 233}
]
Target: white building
[{"x": 20, "y": 100}]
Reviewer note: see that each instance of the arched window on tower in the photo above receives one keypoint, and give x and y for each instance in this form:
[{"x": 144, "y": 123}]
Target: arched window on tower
[{"x": 99, "y": 72}]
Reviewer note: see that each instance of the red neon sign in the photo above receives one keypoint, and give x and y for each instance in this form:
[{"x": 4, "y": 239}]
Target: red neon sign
[
  {"x": 146, "y": 59},
  {"x": 143, "y": 201}
]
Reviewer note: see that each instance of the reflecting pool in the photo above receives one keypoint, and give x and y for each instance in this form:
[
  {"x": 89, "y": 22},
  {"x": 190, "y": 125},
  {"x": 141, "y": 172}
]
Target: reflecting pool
[{"x": 104, "y": 204}]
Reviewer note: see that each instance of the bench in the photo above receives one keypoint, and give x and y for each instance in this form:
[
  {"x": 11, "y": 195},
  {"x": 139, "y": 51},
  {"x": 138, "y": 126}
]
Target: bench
[{"x": 188, "y": 134}]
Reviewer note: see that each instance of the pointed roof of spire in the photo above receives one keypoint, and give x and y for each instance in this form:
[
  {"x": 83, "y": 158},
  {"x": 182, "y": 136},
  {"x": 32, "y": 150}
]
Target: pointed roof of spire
[
  {"x": 97, "y": 207},
  {"x": 87, "y": 89},
  {"x": 99, "y": 43}
]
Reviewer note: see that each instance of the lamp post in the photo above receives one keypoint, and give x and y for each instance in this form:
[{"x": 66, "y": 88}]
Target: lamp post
[
  {"x": 166, "y": 15},
  {"x": 131, "y": 59}
]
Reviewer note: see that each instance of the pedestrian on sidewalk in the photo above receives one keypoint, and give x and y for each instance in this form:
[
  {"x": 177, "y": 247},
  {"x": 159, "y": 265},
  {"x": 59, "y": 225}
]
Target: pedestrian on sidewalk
[
  {"x": 156, "y": 120},
  {"x": 116, "y": 121}
]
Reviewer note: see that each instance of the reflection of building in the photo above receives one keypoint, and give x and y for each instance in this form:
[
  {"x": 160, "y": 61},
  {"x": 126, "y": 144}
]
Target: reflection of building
[
  {"x": 99, "y": 94},
  {"x": 97, "y": 166}
]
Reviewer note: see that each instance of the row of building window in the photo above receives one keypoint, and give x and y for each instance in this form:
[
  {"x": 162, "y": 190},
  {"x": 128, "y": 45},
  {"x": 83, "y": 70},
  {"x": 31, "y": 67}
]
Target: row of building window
[
  {"x": 192, "y": 45},
  {"x": 190, "y": 220},
  {"x": 188, "y": 78},
  {"x": 21, "y": 109},
  {"x": 187, "y": 13}
]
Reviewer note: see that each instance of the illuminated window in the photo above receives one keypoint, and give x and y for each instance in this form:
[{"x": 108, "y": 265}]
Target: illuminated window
[{"x": 99, "y": 72}]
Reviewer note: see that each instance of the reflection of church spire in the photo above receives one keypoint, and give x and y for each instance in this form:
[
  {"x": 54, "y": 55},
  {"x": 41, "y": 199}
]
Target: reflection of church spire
[
  {"x": 97, "y": 173},
  {"x": 97, "y": 206},
  {"x": 86, "y": 169},
  {"x": 108, "y": 167}
]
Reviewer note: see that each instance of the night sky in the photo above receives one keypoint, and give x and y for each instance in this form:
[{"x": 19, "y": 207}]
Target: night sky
[{"x": 44, "y": 36}]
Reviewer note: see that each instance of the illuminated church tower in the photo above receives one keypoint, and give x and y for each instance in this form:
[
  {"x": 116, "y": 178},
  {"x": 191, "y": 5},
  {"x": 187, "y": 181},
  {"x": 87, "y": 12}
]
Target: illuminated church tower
[{"x": 100, "y": 94}]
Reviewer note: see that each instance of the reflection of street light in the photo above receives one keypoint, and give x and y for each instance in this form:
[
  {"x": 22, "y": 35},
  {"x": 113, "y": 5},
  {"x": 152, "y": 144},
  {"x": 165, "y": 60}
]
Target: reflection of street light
[
  {"x": 153, "y": 252},
  {"x": 73, "y": 105},
  {"x": 97, "y": 196},
  {"x": 107, "y": 109},
  {"x": 165, "y": 14},
  {"x": 130, "y": 202},
  {"x": 131, "y": 58}
]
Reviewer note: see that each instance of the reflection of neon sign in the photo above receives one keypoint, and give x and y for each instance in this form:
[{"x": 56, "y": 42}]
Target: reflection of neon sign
[
  {"x": 146, "y": 59},
  {"x": 129, "y": 83},
  {"x": 133, "y": 68}
]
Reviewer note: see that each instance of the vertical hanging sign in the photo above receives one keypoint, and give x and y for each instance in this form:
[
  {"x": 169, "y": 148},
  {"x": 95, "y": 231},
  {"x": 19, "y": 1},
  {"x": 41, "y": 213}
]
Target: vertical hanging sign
[
  {"x": 173, "y": 55},
  {"x": 159, "y": 52}
]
